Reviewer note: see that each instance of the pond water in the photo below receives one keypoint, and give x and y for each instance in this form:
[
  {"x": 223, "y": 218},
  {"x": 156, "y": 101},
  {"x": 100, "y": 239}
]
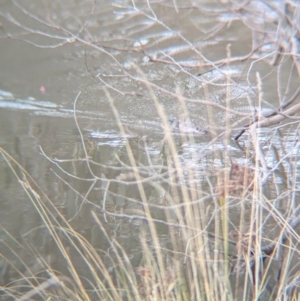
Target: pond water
[{"x": 82, "y": 81}]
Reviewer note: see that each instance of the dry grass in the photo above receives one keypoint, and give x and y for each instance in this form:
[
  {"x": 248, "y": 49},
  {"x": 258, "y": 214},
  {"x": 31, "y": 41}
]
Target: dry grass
[{"x": 213, "y": 222}]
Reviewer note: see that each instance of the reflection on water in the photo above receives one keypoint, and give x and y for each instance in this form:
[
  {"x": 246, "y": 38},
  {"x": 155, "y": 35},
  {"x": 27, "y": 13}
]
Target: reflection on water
[{"x": 100, "y": 172}]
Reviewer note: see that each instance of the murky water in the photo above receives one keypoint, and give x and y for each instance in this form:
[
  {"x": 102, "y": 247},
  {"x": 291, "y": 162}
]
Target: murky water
[{"x": 124, "y": 59}]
